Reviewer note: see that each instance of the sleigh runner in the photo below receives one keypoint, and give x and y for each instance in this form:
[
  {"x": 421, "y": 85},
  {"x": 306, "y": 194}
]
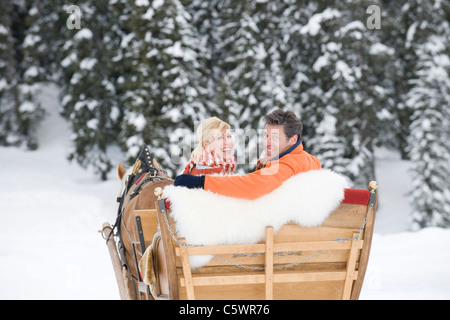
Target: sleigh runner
[{"x": 327, "y": 261}]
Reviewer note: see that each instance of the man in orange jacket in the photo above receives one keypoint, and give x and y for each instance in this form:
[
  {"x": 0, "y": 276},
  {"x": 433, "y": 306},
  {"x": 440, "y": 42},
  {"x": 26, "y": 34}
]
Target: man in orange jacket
[{"x": 284, "y": 158}]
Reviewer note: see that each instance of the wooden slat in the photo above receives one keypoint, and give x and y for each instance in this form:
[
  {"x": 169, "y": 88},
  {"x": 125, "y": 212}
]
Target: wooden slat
[
  {"x": 318, "y": 290},
  {"x": 269, "y": 264},
  {"x": 302, "y": 267},
  {"x": 225, "y": 279},
  {"x": 295, "y": 233},
  {"x": 312, "y": 246},
  {"x": 255, "y": 278},
  {"x": 187, "y": 271},
  {"x": 351, "y": 265},
  {"x": 309, "y": 276},
  {"x": 327, "y": 256},
  {"x": 224, "y": 249},
  {"x": 260, "y": 248}
]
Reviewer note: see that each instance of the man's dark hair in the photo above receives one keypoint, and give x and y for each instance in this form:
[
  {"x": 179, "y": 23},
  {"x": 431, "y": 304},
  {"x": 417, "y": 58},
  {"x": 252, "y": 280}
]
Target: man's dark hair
[{"x": 291, "y": 124}]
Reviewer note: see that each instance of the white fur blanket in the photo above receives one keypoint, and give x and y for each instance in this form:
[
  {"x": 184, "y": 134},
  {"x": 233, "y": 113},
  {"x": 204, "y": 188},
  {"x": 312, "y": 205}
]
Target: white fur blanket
[{"x": 206, "y": 218}]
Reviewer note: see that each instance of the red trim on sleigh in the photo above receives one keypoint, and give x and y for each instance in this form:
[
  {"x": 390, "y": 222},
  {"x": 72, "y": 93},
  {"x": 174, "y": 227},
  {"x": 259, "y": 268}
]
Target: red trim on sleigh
[{"x": 356, "y": 196}]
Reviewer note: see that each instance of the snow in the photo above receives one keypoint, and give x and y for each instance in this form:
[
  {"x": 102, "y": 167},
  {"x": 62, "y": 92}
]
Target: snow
[
  {"x": 27, "y": 106},
  {"x": 149, "y": 14},
  {"x": 3, "y": 84},
  {"x": 352, "y": 26},
  {"x": 379, "y": 48},
  {"x": 68, "y": 60},
  {"x": 410, "y": 34},
  {"x": 157, "y": 4},
  {"x": 76, "y": 78},
  {"x": 321, "y": 62},
  {"x": 127, "y": 39},
  {"x": 313, "y": 26},
  {"x": 83, "y": 34},
  {"x": 93, "y": 124},
  {"x": 345, "y": 71},
  {"x": 30, "y": 40},
  {"x": 3, "y": 29},
  {"x": 88, "y": 63},
  {"x": 175, "y": 50},
  {"x": 138, "y": 120},
  {"x": 31, "y": 72},
  {"x": 51, "y": 210},
  {"x": 142, "y": 3}
]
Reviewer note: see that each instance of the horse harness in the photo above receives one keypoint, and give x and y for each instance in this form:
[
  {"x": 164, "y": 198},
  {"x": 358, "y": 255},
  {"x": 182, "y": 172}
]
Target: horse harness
[{"x": 145, "y": 170}]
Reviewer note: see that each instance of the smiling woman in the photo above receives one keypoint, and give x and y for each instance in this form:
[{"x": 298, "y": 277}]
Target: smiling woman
[
  {"x": 214, "y": 151},
  {"x": 222, "y": 145}
]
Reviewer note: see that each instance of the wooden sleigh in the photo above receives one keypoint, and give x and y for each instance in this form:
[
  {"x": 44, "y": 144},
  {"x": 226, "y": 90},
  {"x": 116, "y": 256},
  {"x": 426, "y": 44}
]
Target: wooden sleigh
[{"x": 324, "y": 262}]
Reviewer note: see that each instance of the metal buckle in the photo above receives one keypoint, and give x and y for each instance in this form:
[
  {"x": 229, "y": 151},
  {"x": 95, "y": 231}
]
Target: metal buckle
[{"x": 152, "y": 173}]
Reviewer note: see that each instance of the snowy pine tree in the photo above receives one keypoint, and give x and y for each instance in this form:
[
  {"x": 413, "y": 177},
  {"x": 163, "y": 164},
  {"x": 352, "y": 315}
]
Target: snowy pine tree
[
  {"x": 46, "y": 33},
  {"x": 343, "y": 87},
  {"x": 251, "y": 83},
  {"x": 306, "y": 70},
  {"x": 165, "y": 80},
  {"x": 397, "y": 70},
  {"x": 89, "y": 100},
  {"x": 428, "y": 99},
  {"x": 243, "y": 69},
  {"x": 329, "y": 147},
  {"x": 19, "y": 111},
  {"x": 7, "y": 77}
]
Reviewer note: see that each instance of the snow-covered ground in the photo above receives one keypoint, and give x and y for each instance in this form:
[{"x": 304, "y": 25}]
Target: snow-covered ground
[
  {"x": 51, "y": 210},
  {"x": 404, "y": 264}
]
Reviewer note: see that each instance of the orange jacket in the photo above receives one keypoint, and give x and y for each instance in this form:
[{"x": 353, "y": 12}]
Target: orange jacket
[{"x": 261, "y": 182}]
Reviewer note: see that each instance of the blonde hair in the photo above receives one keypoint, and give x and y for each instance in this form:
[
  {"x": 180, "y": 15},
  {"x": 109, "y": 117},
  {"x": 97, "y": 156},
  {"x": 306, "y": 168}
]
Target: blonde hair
[{"x": 207, "y": 132}]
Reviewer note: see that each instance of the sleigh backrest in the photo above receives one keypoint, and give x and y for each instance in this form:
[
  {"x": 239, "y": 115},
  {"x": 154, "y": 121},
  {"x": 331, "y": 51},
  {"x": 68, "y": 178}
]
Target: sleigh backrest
[{"x": 325, "y": 262}]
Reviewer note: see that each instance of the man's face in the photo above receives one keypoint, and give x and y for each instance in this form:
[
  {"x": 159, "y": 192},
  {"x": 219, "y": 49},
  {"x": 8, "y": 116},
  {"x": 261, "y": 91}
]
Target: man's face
[{"x": 275, "y": 140}]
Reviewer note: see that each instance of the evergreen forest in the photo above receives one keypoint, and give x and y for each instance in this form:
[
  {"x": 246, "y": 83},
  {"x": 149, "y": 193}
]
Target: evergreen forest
[{"x": 361, "y": 75}]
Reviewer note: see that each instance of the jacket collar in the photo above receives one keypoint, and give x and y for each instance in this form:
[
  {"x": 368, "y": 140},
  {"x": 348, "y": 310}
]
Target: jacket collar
[{"x": 289, "y": 150}]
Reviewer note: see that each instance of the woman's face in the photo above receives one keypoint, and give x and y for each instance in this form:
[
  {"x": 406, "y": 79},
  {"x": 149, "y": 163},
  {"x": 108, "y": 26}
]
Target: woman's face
[{"x": 223, "y": 145}]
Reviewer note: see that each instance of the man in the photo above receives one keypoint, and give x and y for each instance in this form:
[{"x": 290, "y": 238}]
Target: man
[{"x": 284, "y": 158}]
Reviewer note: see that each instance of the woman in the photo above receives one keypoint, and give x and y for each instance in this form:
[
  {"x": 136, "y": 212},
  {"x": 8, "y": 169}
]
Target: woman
[{"x": 214, "y": 152}]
